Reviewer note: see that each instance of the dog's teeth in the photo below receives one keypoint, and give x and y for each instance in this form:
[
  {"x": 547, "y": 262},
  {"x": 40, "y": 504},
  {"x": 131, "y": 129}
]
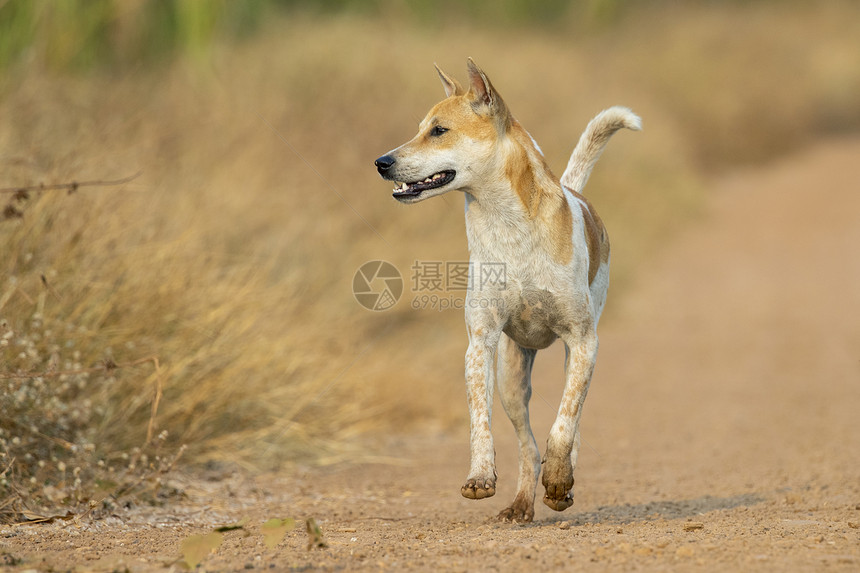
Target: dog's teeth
[{"x": 428, "y": 180}]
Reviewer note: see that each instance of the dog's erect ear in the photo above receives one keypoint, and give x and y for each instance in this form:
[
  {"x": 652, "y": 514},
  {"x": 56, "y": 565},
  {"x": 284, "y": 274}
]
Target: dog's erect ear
[
  {"x": 486, "y": 99},
  {"x": 452, "y": 86}
]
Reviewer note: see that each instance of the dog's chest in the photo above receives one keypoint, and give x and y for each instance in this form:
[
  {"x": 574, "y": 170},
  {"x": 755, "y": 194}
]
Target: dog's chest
[
  {"x": 501, "y": 234},
  {"x": 531, "y": 296}
]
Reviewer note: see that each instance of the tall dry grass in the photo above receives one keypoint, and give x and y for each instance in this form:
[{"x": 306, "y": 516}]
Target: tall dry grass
[{"x": 231, "y": 258}]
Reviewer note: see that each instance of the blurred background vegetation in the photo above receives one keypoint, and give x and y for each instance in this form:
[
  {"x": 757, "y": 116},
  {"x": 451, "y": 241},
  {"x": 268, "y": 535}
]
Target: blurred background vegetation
[
  {"x": 255, "y": 125},
  {"x": 81, "y": 34}
]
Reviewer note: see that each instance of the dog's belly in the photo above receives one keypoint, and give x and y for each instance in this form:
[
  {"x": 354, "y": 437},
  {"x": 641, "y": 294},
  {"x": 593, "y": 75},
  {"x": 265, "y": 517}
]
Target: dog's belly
[
  {"x": 529, "y": 335},
  {"x": 531, "y": 324}
]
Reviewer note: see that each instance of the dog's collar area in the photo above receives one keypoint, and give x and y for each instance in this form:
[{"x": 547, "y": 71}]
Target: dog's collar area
[{"x": 414, "y": 189}]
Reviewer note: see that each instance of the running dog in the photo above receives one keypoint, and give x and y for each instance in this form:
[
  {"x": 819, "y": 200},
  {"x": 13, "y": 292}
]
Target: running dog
[{"x": 554, "y": 250}]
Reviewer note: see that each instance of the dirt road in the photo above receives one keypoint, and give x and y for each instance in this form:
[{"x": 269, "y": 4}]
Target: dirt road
[{"x": 722, "y": 430}]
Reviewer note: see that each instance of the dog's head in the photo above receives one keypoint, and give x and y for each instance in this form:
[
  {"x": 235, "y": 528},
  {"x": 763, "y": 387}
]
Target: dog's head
[{"x": 454, "y": 144}]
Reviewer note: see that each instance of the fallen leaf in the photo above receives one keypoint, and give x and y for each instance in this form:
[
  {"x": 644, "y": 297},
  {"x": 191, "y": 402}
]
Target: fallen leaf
[
  {"x": 315, "y": 536},
  {"x": 275, "y": 529},
  {"x": 195, "y": 548},
  {"x": 32, "y": 517}
]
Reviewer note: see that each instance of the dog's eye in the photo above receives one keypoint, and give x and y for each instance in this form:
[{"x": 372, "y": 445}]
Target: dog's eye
[{"x": 437, "y": 131}]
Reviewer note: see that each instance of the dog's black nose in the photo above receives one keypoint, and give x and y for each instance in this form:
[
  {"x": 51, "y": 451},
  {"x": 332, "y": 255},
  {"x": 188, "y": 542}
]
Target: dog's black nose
[{"x": 384, "y": 163}]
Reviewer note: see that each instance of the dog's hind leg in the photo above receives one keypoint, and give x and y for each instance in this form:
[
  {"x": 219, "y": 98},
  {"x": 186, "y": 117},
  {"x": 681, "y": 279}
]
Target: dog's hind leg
[
  {"x": 513, "y": 377},
  {"x": 563, "y": 444}
]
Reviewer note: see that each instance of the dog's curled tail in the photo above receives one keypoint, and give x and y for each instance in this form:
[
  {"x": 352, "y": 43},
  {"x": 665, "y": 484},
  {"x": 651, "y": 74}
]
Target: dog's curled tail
[{"x": 592, "y": 141}]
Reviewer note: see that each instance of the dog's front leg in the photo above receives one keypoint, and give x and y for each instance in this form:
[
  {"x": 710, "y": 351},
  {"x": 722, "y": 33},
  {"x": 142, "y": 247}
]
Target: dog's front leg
[
  {"x": 562, "y": 447},
  {"x": 480, "y": 371}
]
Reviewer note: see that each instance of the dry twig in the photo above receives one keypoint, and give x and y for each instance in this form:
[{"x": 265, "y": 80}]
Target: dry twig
[
  {"x": 11, "y": 211},
  {"x": 70, "y": 187},
  {"x": 106, "y": 366}
]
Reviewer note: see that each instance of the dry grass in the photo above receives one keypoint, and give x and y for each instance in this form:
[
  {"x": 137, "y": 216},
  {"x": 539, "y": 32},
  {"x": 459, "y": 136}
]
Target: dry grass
[{"x": 231, "y": 257}]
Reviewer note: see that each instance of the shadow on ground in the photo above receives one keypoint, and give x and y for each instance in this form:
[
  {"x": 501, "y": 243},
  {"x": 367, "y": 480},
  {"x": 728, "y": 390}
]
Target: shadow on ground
[{"x": 653, "y": 510}]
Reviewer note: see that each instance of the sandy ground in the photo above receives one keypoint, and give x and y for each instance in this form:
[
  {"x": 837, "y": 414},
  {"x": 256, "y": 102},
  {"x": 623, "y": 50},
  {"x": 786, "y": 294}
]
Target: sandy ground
[{"x": 722, "y": 430}]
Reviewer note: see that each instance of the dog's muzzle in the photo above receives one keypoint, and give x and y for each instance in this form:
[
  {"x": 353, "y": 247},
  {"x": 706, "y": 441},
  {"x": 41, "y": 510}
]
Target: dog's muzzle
[{"x": 409, "y": 191}]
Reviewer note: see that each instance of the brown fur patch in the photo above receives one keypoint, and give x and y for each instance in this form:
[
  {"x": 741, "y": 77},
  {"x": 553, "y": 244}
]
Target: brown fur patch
[
  {"x": 562, "y": 229},
  {"x": 520, "y": 174},
  {"x": 540, "y": 192},
  {"x": 570, "y": 409},
  {"x": 595, "y": 237}
]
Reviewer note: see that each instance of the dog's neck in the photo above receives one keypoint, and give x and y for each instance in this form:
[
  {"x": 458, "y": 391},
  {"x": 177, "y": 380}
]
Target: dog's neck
[{"x": 523, "y": 208}]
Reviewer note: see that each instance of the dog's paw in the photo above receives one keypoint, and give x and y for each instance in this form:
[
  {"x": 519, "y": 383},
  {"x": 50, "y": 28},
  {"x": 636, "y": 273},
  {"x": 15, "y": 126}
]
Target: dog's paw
[
  {"x": 558, "y": 504},
  {"x": 558, "y": 481},
  {"x": 479, "y": 488},
  {"x": 522, "y": 510}
]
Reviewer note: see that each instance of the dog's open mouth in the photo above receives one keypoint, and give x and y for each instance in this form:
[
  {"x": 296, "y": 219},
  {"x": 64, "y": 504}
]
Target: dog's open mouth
[{"x": 414, "y": 189}]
